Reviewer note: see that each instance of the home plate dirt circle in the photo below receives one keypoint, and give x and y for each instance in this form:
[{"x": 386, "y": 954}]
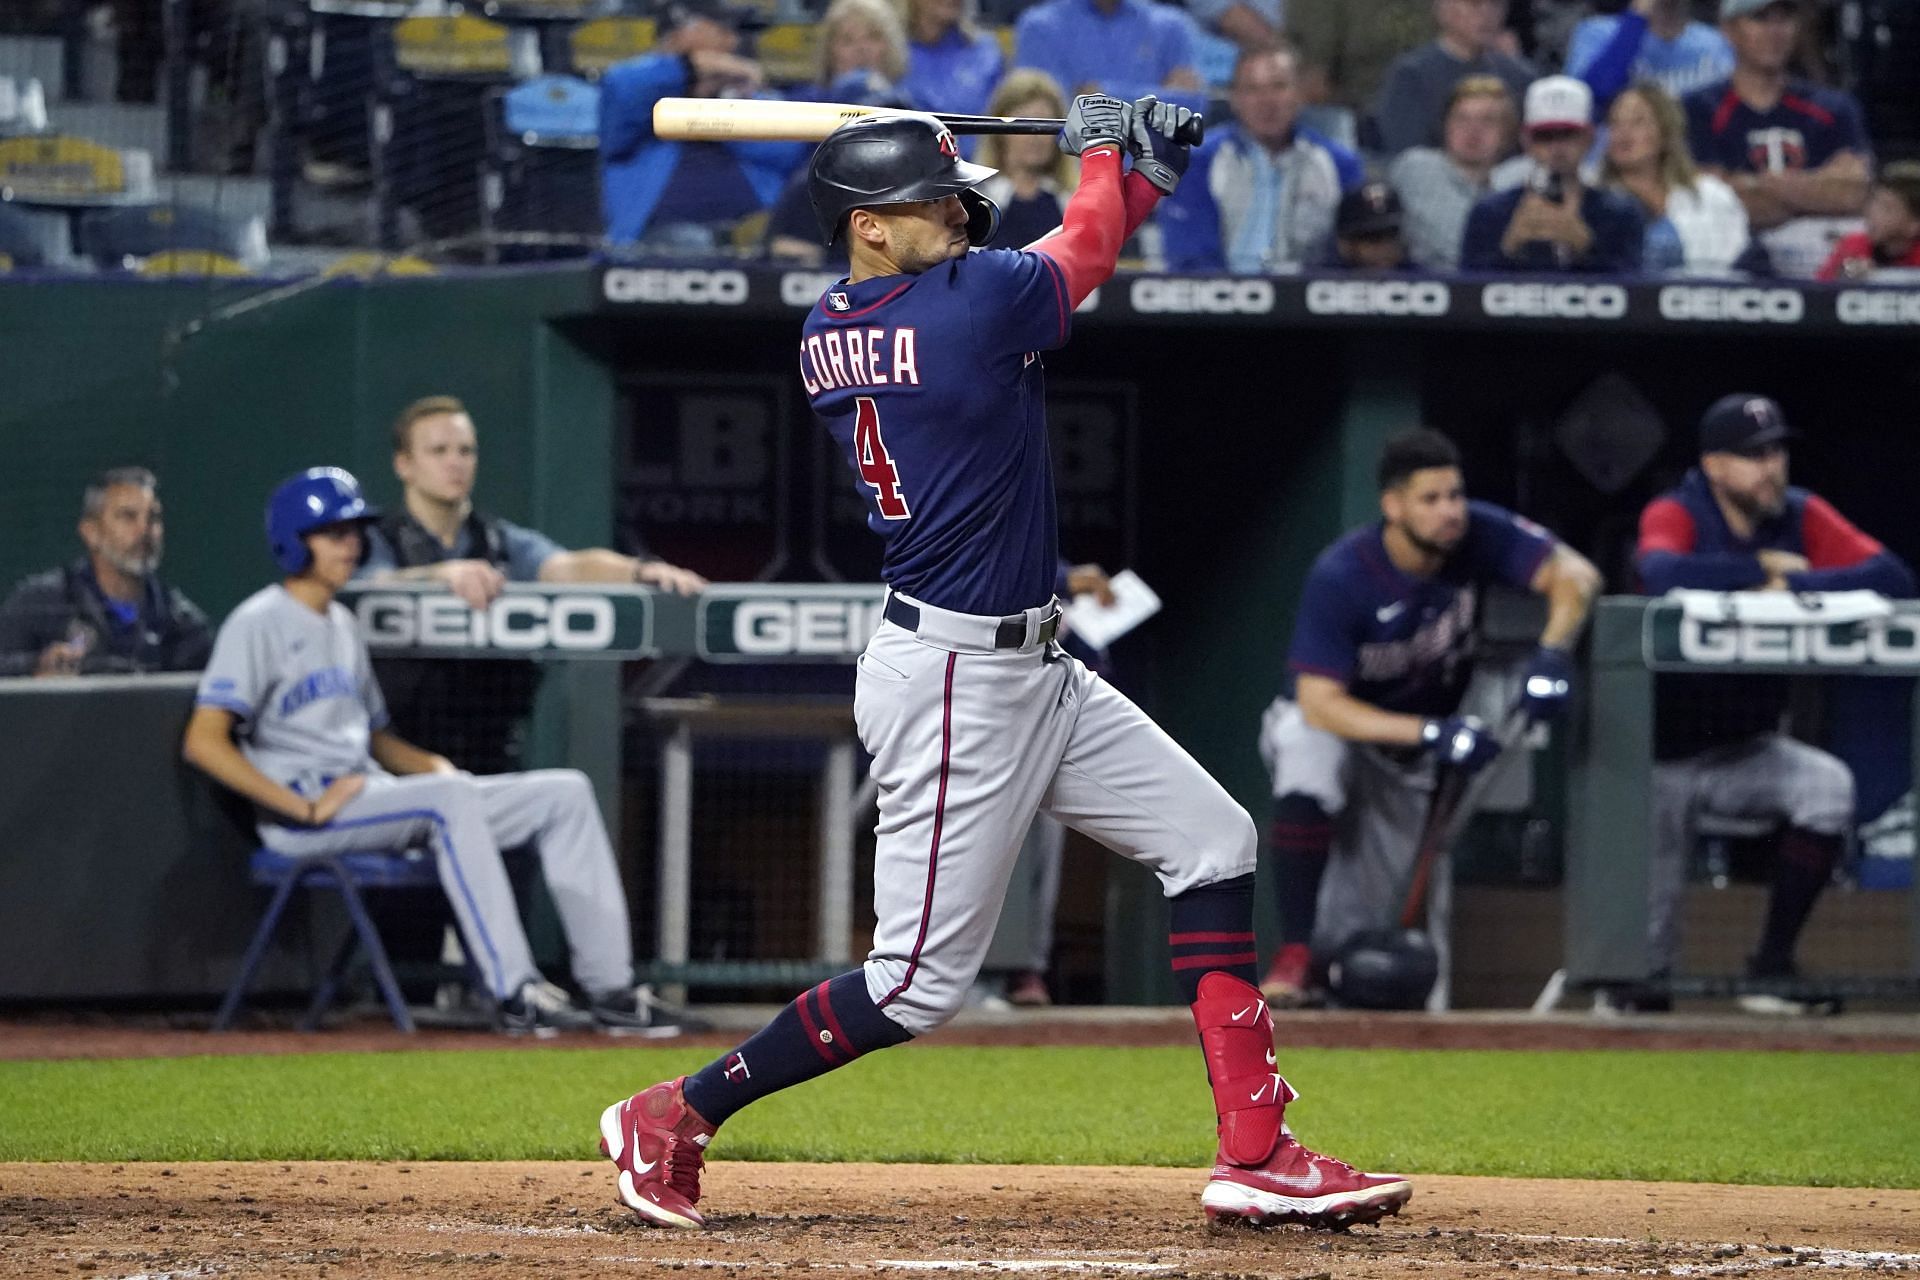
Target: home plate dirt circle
[{"x": 107, "y": 1222}]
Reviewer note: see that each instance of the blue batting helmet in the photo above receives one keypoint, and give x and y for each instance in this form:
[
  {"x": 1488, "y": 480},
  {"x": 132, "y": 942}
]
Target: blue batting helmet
[{"x": 317, "y": 496}]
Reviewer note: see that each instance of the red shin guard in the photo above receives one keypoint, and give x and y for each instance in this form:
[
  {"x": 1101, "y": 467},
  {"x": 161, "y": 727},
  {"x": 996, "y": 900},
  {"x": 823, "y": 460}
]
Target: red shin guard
[{"x": 1236, "y": 1035}]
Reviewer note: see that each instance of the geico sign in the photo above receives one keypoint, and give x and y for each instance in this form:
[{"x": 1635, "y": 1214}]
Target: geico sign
[
  {"x": 1203, "y": 297},
  {"x": 403, "y": 620},
  {"x": 1878, "y": 306},
  {"x": 1743, "y": 306},
  {"x": 803, "y": 288},
  {"x": 770, "y": 628},
  {"x": 1538, "y": 301},
  {"x": 654, "y": 284},
  {"x": 1378, "y": 298},
  {"x": 1892, "y": 642}
]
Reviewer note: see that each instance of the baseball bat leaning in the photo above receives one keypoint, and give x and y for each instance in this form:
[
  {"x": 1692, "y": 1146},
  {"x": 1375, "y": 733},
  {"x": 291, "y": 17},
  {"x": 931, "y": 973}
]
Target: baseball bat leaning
[
  {"x": 1454, "y": 798},
  {"x": 763, "y": 120}
]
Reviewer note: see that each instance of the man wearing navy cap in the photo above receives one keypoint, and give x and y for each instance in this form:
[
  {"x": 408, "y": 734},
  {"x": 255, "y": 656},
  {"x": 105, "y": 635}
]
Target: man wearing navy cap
[
  {"x": 685, "y": 196},
  {"x": 1735, "y": 524},
  {"x": 1366, "y": 229}
]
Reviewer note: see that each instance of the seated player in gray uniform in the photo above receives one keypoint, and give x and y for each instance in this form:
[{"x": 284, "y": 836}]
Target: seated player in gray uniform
[
  {"x": 1383, "y": 648},
  {"x": 290, "y": 716}
]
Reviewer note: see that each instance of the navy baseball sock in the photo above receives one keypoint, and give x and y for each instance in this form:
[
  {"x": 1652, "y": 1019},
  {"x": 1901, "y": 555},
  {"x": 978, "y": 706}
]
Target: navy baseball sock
[
  {"x": 827, "y": 1027},
  {"x": 1302, "y": 837},
  {"x": 1804, "y": 863},
  {"x": 1212, "y": 930}
]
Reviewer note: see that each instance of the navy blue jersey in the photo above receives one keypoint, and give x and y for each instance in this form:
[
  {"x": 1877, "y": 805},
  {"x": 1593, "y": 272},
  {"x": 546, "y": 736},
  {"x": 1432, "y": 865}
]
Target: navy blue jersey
[
  {"x": 931, "y": 384},
  {"x": 1805, "y": 129},
  {"x": 1399, "y": 642}
]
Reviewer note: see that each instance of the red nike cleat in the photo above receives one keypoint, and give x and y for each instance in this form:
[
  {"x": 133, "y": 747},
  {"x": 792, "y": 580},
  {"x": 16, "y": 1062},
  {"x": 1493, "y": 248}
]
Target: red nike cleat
[
  {"x": 658, "y": 1143},
  {"x": 1294, "y": 1184},
  {"x": 1262, "y": 1176}
]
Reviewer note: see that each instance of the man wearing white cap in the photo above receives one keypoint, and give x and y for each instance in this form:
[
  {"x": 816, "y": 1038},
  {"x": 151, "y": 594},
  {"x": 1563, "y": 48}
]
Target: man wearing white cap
[{"x": 1556, "y": 222}]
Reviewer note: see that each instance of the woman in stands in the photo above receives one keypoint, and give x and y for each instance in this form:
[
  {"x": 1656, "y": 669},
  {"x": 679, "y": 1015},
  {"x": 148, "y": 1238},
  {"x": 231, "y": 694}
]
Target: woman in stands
[
  {"x": 860, "y": 35},
  {"x": 1035, "y": 178},
  {"x": 1695, "y": 223}
]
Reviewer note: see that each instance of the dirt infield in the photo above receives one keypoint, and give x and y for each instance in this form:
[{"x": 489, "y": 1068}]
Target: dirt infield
[{"x": 148, "y": 1220}]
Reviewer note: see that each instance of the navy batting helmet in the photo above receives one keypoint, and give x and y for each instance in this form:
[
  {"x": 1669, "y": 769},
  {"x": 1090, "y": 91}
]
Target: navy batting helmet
[
  {"x": 895, "y": 159},
  {"x": 316, "y": 497},
  {"x": 1385, "y": 969}
]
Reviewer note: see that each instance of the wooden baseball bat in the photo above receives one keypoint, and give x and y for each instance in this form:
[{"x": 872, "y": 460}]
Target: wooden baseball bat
[{"x": 764, "y": 120}]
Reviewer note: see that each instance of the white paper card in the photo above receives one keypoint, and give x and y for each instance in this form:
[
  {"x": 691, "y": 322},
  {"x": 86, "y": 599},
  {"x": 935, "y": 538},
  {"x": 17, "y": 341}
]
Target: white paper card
[{"x": 1100, "y": 625}]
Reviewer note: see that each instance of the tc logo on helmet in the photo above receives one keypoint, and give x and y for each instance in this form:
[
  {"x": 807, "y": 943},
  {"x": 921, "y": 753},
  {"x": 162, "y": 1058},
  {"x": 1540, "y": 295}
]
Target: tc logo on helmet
[{"x": 948, "y": 147}]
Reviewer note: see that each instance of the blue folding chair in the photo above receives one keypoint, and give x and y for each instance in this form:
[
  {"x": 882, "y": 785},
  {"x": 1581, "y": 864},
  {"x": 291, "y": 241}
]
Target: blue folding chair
[{"x": 350, "y": 874}]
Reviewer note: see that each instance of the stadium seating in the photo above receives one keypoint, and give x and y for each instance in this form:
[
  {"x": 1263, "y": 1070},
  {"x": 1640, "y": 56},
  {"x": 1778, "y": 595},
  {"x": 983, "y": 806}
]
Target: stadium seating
[
  {"x": 542, "y": 169},
  {"x": 23, "y": 106},
  {"x": 31, "y": 238},
  {"x": 351, "y": 874},
  {"x": 125, "y": 237}
]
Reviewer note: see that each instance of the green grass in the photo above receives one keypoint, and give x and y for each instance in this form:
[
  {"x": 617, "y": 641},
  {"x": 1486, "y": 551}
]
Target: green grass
[{"x": 1787, "y": 1118}]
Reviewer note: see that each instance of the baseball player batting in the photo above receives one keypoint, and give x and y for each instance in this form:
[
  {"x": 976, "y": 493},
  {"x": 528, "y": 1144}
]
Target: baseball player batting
[
  {"x": 925, "y": 366},
  {"x": 1383, "y": 648}
]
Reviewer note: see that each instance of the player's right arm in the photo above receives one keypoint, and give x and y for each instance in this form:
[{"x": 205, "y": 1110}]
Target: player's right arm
[
  {"x": 1086, "y": 248},
  {"x": 208, "y": 746},
  {"x": 1325, "y": 704}
]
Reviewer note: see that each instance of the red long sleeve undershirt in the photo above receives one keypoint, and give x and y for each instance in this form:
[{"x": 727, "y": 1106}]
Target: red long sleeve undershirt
[{"x": 1102, "y": 213}]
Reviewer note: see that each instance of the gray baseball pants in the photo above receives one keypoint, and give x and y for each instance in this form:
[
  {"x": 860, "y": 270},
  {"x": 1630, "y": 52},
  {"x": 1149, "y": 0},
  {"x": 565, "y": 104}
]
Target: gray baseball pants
[{"x": 464, "y": 821}]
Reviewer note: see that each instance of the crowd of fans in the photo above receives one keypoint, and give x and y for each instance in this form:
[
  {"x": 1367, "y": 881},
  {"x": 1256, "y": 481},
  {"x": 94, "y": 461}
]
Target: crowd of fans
[{"x": 1666, "y": 143}]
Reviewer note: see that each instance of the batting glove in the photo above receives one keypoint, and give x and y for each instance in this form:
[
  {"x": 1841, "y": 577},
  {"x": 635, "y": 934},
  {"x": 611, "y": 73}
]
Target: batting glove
[
  {"x": 1461, "y": 741},
  {"x": 1156, "y": 156},
  {"x": 1094, "y": 119},
  {"x": 1548, "y": 685}
]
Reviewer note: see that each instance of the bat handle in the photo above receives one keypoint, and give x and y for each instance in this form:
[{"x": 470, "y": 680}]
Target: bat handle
[{"x": 1193, "y": 132}]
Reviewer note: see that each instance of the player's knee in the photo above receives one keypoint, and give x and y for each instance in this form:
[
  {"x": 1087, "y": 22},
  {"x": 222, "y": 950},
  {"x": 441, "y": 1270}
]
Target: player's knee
[
  {"x": 920, "y": 1001},
  {"x": 1822, "y": 796},
  {"x": 1228, "y": 846}
]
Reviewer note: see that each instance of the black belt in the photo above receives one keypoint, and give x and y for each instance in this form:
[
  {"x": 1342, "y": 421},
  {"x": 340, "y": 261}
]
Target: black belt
[{"x": 1010, "y": 634}]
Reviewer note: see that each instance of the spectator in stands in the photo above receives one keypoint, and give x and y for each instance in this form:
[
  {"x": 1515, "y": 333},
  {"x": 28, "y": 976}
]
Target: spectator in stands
[
  {"x": 1346, "y": 46},
  {"x": 1735, "y": 524},
  {"x": 109, "y": 611},
  {"x": 1889, "y": 248},
  {"x": 1694, "y": 221},
  {"x": 1556, "y": 222},
  {"x": 685, "y": 196},
  {"x": 1796, "y": 154},
  {"x": 1651, "y": 41},
  {"x": 1412, "y": 102},
  {"x": 290, "y": 716},
  {"x": 1439, "y": 185},
  {"x": 1367, "y": 230},
  {"x": 951, "y": 65},
  {"x": 793, "y": 232},
  {"x": 1035, "y": 176},
  {"x": 858, "y": 35},
  {"x": 1127, "y": 48},
  {"x": 1261, "y": 192},
  {"x": 437, "y": 536},
  {"x": 1249, "y": 24}
]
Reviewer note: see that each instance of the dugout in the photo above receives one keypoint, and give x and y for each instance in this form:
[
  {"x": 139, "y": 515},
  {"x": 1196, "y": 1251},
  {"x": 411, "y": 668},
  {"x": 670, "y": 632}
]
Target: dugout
[{"x": 1213, "y": 433}]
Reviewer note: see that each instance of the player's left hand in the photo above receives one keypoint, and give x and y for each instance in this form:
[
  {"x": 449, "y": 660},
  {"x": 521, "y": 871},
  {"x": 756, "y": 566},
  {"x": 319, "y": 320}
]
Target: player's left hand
[
  {"x": 1549, "y": 683},
  {"x": 1095, "y": 118},
  {"x": 1157, "y": 157}
]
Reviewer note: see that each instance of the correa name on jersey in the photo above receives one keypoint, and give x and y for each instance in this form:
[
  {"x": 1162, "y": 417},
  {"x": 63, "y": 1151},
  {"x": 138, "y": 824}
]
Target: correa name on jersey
[{"x": 837, "y": 359}]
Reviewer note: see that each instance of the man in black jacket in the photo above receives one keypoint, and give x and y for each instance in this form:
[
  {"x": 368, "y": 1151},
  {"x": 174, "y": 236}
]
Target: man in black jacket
[{"x": 108, "y": 612}]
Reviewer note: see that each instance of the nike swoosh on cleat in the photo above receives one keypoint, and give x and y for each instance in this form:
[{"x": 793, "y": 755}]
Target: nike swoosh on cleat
[{"x": 641, "y": 1168}]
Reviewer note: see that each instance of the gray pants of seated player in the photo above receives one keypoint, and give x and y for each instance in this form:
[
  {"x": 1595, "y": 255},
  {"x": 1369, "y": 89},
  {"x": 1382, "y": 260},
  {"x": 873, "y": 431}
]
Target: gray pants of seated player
[
  {"x": 1377, "y": 807},
  {"x": 967, "y": 747},
  {"x": 1770, "y": 776},
  {"x": 464, "y": 821}
]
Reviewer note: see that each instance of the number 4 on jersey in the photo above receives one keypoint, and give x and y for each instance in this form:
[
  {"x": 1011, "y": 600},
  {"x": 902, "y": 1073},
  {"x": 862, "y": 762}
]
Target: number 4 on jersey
[{"x": 876, "y": 466}]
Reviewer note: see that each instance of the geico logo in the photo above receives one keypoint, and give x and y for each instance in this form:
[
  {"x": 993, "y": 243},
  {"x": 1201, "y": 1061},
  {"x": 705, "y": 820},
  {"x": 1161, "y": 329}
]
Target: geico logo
[
  {"x": 1378, "y": 298},
  {"x": 1555, "y": 301},
  {"x": 403, "y": 620},
  {"x": 1890, "y": 642},
  {"x": 768, "y": 628},
  {"x": 717, "y": 288},
  {"x": 1744, "y": 306},
  {"x": 1878, "y": 306},
  {"x": 1204, "y": 297},
  {"x": 803, "y": 288}
]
